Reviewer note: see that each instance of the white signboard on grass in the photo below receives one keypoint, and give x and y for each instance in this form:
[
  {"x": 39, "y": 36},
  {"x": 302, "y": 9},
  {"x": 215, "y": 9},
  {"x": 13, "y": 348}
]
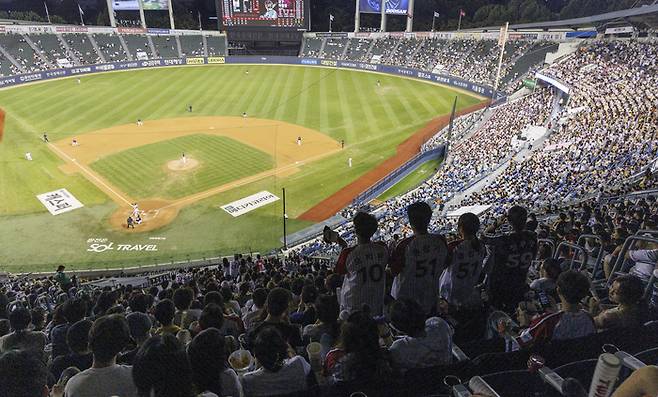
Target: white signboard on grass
[
  {"x": 250, "y": 203},
  {"x": 59, "y": 201}
]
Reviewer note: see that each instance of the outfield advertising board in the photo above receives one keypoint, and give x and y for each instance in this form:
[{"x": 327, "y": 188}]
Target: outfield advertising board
[
  {"x": 479, "y": 89},
  {"x": 250, "y": 203}
]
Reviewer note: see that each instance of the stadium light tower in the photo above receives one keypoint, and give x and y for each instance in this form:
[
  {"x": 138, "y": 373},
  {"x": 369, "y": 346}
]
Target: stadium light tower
[
  {"x": 410, "y": 17},
  {"x": 171, "y": 15},
  {"x": 382, "y": 26},
  {"x": 357, "y": 17},
  {"x": 110, "y": 11},
  {"x": 141, "y": 14}
]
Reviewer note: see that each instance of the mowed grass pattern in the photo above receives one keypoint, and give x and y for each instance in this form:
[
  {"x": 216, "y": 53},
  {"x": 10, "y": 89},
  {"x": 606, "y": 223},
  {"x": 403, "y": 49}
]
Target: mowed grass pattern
[
  {"x": 142, "y": 172},
  {"x": 343, "y": 104}
]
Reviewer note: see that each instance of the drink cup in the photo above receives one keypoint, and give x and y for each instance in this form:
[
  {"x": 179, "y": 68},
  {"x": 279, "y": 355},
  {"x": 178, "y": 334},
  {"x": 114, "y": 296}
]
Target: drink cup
[{"x": 605, "y": 375}]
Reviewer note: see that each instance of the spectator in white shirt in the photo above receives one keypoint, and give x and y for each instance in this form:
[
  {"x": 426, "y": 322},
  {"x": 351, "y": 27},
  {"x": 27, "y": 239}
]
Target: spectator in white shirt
[
  {"x": 279, "y": 372},
  {"x": 426, "y": 343},
  {"x": 107, "y": 338}
]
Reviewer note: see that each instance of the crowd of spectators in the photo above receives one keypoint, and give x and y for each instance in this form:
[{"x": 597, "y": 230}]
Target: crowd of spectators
[
  {"x": 470, "y": 59},
  {"x": 610, "y": 135},
  {"x": 269, "y": 326}
]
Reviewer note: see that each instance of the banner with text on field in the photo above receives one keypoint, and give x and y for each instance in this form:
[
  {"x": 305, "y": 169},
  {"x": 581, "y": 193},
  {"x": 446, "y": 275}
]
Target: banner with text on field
[
  {"x": 249, "y": 203},
  {"x": 59, "y": 201}
]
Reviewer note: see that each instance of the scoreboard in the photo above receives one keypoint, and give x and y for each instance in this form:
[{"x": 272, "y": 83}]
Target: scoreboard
[{"x": 284, "y": 14}]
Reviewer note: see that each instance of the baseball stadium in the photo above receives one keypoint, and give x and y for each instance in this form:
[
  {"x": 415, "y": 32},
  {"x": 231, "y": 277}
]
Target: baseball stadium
[{"x": 467, "y": 189}]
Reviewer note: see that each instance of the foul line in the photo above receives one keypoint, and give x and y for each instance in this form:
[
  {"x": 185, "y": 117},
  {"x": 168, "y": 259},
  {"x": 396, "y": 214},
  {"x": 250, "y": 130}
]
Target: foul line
[{"x": 86, "y": 171}]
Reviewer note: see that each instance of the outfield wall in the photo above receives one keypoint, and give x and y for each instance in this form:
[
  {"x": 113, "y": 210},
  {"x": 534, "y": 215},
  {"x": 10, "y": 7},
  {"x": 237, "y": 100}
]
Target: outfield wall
[{"x": 477, "y": 89}]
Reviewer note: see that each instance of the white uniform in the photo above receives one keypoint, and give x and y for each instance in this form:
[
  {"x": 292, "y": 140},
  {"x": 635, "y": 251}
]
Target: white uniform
[
  {"x": 135, "y": 209},
  {"x": 417, "y": 263},
  {"x": 364, "y": 268},
  {"x": 458, "y": 281},
  {"x": 349, "y": 162},
  {"x": 28, "y": 156}
]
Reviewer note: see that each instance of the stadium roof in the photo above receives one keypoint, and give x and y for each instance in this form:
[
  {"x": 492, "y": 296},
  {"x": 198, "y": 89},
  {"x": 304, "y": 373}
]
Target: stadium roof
[{"x": 646, "y": 15}]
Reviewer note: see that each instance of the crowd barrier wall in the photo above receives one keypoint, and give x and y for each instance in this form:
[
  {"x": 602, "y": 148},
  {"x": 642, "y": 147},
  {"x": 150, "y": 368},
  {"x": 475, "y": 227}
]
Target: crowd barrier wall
[{"x": 478, "y": 89}]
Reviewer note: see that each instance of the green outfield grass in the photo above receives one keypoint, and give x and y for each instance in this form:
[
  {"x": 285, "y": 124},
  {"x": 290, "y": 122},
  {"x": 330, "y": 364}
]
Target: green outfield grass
[
  {"x": 411, "y": 181},
  {"x": 140, "y": 171},
  {"x": 342, "y": 104}
]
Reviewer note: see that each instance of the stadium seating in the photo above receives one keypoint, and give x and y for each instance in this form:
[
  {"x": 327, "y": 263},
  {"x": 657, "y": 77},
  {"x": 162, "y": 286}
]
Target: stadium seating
[
  {"x": 333, "y": 48},
  {"x": 165, "y": 46},
  {"x": 22, "y": 52},
  {"x": 192, "y": 45},
  {"x": 82, "y": 48},
  {"x": 138, "y": 44},
  {"x": 51, "y": 49},
  {"x": 111, "y": 47},
  {"x": 216, "y": 46}
]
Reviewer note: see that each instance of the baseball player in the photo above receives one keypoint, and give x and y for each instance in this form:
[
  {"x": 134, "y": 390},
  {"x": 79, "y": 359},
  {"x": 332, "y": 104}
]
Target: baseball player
[
  {"x": 184, "y": 159},
  {"x": 28, "y": 156},
  {"x": 140, "y": 122},
  {"x": 418, "y": 261},
  {"x": 244, "y": 115},
  {"x": 135, "y": 207},
  {"x": 364, "y": 267},
  {"x": 45, "y": 137},
  {"x": 349, "y": 162},
  {"x": 78, "y": 79},
  {"x": 342, "y": 144},
  {"x": 189, "y": 108},
  {"x": 299, "y": 141},
  {"x": 74, "y": 142},
  {"x": 130, "y": 223}
]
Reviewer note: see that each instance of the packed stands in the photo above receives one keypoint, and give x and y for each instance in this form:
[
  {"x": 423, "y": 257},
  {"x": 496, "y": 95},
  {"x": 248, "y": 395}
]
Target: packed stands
[{"x": 611, "y": 137}]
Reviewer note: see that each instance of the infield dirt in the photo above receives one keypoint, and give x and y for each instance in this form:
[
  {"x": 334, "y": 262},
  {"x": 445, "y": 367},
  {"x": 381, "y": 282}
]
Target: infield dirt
[{"x": 275, "y": 138}]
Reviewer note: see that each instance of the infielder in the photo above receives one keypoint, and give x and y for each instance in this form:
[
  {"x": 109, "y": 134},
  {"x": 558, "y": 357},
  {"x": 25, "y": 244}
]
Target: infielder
[
  {"x": 349, "y": 162},
  {"x": 299, "y": 141}
]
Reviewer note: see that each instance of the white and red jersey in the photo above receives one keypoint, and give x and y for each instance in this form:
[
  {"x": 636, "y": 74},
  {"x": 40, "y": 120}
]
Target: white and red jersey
[
  {"x": 458, "y": 281},
  {"x": 364, "y": 268},
  {"x": 416, "y": 264}
]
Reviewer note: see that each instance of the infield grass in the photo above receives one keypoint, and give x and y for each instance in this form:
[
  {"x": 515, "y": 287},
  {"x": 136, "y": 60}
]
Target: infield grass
[
  {"x": 142, "y": 171},
  {"x": 346, "y": 105}
]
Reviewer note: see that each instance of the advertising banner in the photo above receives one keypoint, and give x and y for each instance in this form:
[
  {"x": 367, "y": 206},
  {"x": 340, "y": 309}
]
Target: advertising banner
[
  {"x": 216, "y": 60},
  {"x": 133, "y": 5},
  {"x": 393, "y": 7},
  {"x": 157, "y": 31},
  {"x": 249, "y": 203},
  {"x": 71, "y": 29},
  {"x": 59, "y": 201},
  {"x": 131, "y": 30},
  {"x": 194, "y": 61}
]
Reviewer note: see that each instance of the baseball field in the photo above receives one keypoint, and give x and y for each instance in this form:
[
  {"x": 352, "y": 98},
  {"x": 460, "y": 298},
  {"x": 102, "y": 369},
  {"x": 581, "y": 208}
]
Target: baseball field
[{"x": 182, "y": 166}]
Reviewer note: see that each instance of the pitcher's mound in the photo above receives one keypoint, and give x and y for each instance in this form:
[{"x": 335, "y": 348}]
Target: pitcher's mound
[{"x": 180, "y": 165}]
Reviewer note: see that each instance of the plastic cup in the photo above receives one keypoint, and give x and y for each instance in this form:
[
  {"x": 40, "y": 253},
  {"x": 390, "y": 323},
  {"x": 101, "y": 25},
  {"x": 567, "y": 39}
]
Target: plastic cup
[{"x": 314, "y": 350}]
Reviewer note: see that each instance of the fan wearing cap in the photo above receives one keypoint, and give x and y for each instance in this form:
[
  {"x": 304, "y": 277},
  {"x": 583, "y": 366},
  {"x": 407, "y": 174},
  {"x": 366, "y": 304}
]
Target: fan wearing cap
[{"x": 62, "y": 279}]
